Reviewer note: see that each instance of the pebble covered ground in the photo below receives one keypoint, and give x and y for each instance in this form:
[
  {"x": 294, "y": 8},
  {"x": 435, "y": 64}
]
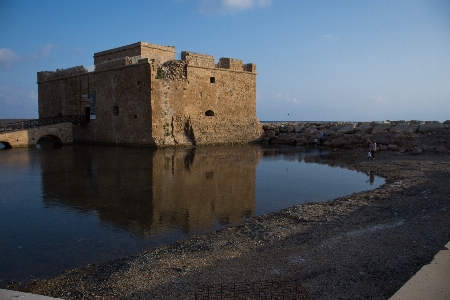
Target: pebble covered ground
[{"x": 362, "y": 246}]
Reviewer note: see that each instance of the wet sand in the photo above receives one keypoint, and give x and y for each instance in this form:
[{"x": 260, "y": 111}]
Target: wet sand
[{"x": 362, "y": 246}]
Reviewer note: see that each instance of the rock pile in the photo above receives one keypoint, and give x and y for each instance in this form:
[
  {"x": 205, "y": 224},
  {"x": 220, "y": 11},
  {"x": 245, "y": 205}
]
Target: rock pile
[
  {"x": 400, "y": 136},
  {"x": 173, "y": 70}
]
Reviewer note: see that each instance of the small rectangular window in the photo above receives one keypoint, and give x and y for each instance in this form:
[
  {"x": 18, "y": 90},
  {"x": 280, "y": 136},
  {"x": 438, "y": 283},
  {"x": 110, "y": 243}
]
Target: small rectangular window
[
  {"x": 212, "y": 79},
  {"x": 92, "y": 104}
]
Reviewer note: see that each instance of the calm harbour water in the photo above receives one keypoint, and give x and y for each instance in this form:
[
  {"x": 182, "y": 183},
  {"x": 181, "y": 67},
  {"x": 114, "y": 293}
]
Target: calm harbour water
[{"x": 65, "y": 208}]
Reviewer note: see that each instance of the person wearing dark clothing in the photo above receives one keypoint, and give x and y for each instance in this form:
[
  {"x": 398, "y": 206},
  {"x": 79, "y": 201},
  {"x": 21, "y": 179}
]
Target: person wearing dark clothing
[{"x": 372, "y": 148}]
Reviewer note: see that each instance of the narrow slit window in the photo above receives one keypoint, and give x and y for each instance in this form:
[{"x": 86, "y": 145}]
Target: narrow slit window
[{"x": 115, "y": 110}]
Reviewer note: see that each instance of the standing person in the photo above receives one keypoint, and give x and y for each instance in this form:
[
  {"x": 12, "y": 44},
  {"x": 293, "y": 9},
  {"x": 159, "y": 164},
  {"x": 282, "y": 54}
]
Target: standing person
[
  {"x": 321, "y": 138},
  {"x": 369, "y": 155},
  {"x": 372, "y": 148}
]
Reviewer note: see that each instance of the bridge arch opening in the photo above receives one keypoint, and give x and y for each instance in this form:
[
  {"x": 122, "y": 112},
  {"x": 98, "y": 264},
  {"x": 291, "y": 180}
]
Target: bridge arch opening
[
  {"x": 49, "y": 142},
  {"x": 5, "y": 145}
]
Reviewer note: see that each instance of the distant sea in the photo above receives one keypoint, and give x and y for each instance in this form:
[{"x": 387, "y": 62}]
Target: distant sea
[
  {"x": 7, "y": 121},
  {"x": 306, "y": 121}
]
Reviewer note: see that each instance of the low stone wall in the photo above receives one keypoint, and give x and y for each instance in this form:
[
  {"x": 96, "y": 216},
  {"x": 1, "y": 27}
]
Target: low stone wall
[{"x": 400, "y": 136}]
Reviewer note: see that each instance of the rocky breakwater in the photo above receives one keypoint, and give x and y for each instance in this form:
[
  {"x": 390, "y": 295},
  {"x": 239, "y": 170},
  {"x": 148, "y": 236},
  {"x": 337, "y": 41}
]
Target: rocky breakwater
[{"x": 399, "y": 136}]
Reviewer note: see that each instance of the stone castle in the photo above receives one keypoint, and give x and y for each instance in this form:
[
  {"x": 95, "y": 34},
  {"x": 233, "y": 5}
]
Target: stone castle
[{"x": 141, "y": 95}]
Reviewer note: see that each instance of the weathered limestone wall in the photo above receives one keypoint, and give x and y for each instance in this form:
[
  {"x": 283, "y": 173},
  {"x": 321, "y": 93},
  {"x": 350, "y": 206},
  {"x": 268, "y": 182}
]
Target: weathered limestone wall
[
  {"x": 112, "y": 64},
  {"x": 49, "y": 75},
  {"x": 401, "y": 136},
  {"x": 142, "y": 101},
  {"x": 60, "y": 94},
  {"x": 122, "y": 103},
  {"x": 197, "y": 59},
  {"x": 210, "y": 105},
  {"x": 230, "y": 63},
  {"x": 159, "y": 53},
  {"x": 122, "y": 107},
  {"x": 30, "y": 136}
]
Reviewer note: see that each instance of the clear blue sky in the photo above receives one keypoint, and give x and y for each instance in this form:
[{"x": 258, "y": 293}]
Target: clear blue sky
[{"x": 344, "y": 60}]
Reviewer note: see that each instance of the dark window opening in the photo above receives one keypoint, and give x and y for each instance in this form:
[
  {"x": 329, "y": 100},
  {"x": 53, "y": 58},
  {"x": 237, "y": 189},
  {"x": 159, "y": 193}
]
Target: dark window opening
[
  {"x": 212, "y": 79},
  {"x": 135, "y": 117},
  {"x": 87, "y": 114},
  {"x": 138, "y": 83},
  {"x": 115, "y": 110},
  {"x": 92, "y": 104},
  {"x": 209, "y": 113}
]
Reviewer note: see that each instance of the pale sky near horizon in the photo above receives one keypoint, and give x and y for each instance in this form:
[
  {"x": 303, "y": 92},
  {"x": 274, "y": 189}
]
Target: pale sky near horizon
[{"x": 317, "y": 60}]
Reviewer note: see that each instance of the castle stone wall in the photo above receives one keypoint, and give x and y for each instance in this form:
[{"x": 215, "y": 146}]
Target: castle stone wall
[
  {"x": 137, "y": 100},
  {"x": 197, "y": 59},
  {"x": 200, "y": 110},
  {"x": 158, "y": 53},
  {"x": 122, "y": 107},
  {"x": 48, "y": 75},
  {"x": 230, "y": 63},
  {"x": 61, "y": 95}
]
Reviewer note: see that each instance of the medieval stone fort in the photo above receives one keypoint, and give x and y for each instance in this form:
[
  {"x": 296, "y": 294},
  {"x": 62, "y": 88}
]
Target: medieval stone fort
[{"x": 140, "y": 94}]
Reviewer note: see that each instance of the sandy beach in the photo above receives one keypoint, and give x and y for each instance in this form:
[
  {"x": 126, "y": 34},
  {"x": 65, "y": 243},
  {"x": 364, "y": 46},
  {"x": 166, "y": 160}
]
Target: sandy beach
[{"x": 361, "y": 246}]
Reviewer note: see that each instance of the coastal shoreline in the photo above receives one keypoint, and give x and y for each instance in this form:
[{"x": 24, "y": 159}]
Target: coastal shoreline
[{"x": 365, "y": 245}]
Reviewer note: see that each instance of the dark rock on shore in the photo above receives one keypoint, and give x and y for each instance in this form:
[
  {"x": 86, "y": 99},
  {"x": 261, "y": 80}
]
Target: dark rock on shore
[{"x": 401, "y": 136}]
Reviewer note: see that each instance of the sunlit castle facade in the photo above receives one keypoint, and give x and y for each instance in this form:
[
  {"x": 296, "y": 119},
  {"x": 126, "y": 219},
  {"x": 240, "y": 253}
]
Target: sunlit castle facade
[{"x": 140, "y": 95}]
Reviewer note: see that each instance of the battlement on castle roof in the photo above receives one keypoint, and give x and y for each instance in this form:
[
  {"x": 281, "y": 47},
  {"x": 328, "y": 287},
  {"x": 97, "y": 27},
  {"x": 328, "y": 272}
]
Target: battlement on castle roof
[
  {"x": 142, "y": 52},
  {"x": 160, "y": 54}
]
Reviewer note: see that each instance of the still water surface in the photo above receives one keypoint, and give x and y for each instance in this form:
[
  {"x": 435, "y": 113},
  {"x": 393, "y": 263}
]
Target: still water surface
[{"x": 65, "y": 208}]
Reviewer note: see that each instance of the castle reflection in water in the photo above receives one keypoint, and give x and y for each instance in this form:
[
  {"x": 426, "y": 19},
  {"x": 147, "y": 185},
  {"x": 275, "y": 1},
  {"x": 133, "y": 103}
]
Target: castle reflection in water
[
  {"x": 82, "y": 204},
  {"x": 149, "y": 192}
]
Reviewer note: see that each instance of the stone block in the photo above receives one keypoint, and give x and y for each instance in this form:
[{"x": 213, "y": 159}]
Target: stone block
[
  {"x": 349, "y": 129},
  {"x": 400, "y": 127},
  {"x": 382, "y": 147},
  {"x": 416, "y": 150},
  {"x": 392, "y": 147},
  {"x": 381, "y": 128},
  {"x": 414, "y": 127},
  {"x": 441, "y": 149},
  {"x": 270, "y": 133},
  {"x": 430, "y": 127}
]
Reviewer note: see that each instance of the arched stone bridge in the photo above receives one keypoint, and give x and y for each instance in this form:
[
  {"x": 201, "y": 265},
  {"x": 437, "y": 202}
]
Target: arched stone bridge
[{"x": 28, "y": 133}]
